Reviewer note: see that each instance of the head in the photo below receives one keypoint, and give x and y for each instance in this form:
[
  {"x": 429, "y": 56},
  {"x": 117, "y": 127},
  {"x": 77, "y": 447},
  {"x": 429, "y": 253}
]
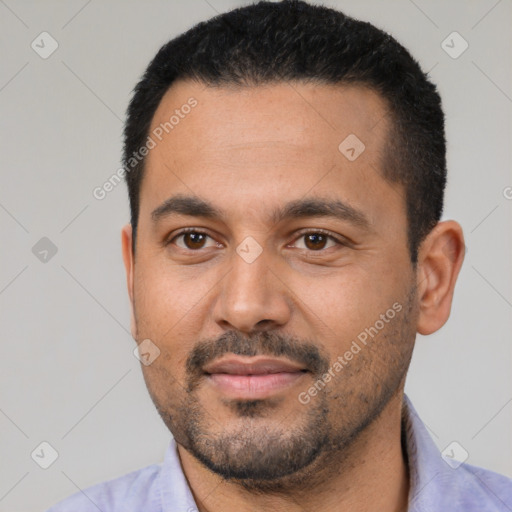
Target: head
[{"x": 304, "y": 152}]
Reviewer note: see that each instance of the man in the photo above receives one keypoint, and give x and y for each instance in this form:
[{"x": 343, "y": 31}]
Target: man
[{"x": 286, "y": 169}]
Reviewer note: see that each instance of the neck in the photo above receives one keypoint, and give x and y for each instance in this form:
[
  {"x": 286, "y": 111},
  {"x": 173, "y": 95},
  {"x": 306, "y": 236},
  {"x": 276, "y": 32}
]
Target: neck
[{"x": 370, "y": 474}]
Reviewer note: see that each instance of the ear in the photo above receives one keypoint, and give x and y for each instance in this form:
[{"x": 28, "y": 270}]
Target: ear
[
  {"x": 126, "y": 243},
  {"x": 439, "y": 261}
]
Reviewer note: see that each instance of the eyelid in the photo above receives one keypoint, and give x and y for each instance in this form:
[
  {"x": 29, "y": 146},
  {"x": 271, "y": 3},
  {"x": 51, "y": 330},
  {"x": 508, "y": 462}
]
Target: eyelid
[
  {"x": 337, "y": 238},
  {"x": 201, "y": 231},
  {"x": 340, "y": 240}
]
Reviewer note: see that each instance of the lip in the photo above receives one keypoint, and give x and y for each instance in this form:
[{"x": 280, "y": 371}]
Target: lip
[
  {"x": 252, "y": 378},
  {"x": 251, "y": 366}
]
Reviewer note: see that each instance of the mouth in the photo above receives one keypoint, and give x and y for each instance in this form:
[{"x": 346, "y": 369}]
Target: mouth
[{"x": 253, "y": 378}]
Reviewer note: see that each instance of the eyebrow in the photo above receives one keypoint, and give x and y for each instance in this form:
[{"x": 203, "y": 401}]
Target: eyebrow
[{"x": 300, "y": 208}]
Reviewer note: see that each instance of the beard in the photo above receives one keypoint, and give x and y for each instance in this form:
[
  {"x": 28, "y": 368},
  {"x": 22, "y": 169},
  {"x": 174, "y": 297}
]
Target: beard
[{"x": 265, "y": 451}]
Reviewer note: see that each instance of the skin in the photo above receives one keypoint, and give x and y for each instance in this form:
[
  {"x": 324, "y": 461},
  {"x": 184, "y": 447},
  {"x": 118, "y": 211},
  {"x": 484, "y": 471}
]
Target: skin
[{"x": 249, "y": 151}]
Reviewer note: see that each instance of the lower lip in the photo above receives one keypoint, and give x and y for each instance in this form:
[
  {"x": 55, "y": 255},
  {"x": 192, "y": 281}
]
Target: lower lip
[{"x": 254, "y": 386}]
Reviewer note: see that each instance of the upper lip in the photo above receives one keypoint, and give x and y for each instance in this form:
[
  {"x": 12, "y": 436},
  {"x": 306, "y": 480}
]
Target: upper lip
[{"x": 251, "y": 366}]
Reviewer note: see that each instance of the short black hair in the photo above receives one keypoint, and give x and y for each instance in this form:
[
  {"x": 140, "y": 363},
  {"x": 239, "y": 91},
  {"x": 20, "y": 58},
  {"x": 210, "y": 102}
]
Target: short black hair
[{"x": 294, "y": 41}]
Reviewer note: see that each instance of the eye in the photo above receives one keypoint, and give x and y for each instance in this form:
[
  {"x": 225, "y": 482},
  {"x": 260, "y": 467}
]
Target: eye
[
  {"x": 192, "y": 239},
  {"x": 317, "y": 240}
]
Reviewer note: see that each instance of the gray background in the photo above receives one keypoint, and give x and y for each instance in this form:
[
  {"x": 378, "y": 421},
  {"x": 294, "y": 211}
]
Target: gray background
[{"x": 68, "y": 374}]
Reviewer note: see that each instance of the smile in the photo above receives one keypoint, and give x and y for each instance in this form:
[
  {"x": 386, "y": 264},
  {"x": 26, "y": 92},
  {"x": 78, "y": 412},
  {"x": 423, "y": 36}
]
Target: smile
[{"x": 253, "y": 378}]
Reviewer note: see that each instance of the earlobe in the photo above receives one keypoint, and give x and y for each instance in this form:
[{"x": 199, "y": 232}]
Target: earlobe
[
  {"x": 126, "y": 245},
  {"x": 440, "y": 260}
]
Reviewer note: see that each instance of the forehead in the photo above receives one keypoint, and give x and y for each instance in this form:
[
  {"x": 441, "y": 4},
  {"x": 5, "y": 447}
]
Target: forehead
[
  {"x": 289, "y": 112},
  {"x": 266, "y": 142}
]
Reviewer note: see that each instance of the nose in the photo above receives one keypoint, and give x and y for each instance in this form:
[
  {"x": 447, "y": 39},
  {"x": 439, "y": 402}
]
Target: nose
[{"x": 252, "y": 297}]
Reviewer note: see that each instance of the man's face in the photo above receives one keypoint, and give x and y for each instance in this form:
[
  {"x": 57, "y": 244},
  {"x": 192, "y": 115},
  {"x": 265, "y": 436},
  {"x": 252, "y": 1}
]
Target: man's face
[{"x": 302, "y": 288}]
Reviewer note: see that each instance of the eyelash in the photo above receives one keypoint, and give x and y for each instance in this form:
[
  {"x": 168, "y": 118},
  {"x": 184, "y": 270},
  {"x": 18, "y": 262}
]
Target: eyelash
[{"x": 300, "y": 235}]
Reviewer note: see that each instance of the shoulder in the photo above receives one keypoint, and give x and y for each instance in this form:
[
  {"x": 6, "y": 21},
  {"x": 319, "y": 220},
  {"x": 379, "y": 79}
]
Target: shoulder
[
  {"x": 472, "y": 488},
  {"x": 440, "y": 482},
  {"x": 133, "y": 491},
  {"x": 486, "y": 486}
]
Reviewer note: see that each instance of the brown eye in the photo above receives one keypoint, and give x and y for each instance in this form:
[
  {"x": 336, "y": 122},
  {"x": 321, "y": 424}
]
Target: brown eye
[
  {"x": 192, "y": 240},
  {"x": 317, "y": 241}
]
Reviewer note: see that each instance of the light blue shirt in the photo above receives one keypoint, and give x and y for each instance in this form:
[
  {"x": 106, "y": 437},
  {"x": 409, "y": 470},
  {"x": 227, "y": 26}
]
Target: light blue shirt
[{"x": 438, "y": 483}]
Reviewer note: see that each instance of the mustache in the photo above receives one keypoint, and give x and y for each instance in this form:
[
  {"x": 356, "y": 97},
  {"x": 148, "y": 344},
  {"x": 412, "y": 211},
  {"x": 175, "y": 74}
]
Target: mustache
[{"x": 269, "y": 343}]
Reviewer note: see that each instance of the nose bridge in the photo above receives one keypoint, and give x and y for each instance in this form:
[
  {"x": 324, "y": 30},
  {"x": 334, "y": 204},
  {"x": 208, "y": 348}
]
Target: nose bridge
[
  {"x": 249, "y": 271},
  {"x": 251, "y": 294}
]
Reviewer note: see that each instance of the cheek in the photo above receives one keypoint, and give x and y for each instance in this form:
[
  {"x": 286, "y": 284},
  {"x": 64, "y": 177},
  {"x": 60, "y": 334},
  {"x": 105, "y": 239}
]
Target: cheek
[
  {"x": 162, "y": 295},
  {"x": 350, "y": 301},
  {"x": 165, "y": 376},
  {"x": 165, "y": 388},
  {"x": 168, "y": 311}
]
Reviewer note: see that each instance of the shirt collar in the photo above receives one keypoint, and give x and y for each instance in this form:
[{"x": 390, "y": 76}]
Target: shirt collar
[{"x": 425, "y": 465}]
